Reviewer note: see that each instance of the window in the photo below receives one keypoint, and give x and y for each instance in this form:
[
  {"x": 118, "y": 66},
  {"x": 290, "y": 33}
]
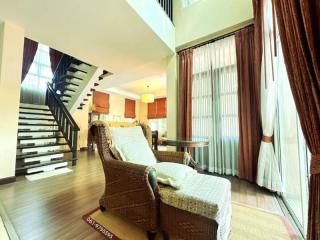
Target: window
[
  {"x": 292, "y": 153},
  {"x": 159, "y": 125},
  {"x": 215, "y": 105},
  {"x": 34, "y": 86}
]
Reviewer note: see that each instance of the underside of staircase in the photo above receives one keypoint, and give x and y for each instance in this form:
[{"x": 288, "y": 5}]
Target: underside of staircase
[{"x": 41, "y": 146}]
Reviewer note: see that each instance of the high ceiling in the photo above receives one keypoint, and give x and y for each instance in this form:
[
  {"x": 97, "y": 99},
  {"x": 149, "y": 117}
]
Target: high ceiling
[
  {"x": 105, "y": 33},
  {"x": 157, "y": 86}
]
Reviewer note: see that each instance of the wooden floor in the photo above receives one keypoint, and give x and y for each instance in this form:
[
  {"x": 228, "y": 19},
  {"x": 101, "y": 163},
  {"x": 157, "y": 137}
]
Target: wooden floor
[{"x": 52, "y": 208}]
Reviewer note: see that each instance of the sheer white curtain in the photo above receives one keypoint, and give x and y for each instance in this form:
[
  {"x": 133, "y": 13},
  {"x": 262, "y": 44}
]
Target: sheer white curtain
[
  {"x": 34, "y": 87},
  {"x": 215, "y": 105},
  {"x": 268, "y": 165}
]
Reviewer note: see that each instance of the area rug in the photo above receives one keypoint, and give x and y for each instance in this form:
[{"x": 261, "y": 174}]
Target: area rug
[{"x": 247, "y": 224}]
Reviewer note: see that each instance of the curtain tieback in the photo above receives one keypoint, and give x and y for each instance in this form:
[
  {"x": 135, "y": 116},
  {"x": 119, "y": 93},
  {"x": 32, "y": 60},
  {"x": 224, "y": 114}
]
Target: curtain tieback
[
  {"x": 315, "y": 164},
  {"x": 266, "y": 139}
]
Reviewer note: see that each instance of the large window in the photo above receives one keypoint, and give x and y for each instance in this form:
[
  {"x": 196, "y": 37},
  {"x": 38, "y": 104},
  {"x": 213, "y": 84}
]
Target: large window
[
  {"x": 34, "y": 86},
  {"x": 215, "y": 105},
  {"x": 292, "y": 152}
]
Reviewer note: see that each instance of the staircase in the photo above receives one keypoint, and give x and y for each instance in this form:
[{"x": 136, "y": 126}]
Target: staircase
[
  {"x": 41, "y": 146},
  {"x": 75, "y": 81}
]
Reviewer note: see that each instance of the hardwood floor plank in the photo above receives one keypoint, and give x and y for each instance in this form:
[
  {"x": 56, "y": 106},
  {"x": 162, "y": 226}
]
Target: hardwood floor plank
[{"x": 52, "y": 208}]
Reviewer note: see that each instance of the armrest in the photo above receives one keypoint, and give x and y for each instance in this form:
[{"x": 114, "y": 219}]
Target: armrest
[
  {"x": 169, "y": 156},
  {"x": 131, "y": 191},
  {"x": 129, "y": 176}
]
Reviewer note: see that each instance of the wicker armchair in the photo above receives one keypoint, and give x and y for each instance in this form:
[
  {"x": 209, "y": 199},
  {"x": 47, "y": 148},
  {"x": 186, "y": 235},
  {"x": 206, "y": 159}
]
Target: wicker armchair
[{"x": 131, "y": 190}]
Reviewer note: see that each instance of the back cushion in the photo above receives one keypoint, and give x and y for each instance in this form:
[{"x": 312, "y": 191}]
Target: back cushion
[{"x": 132, "y": 145}]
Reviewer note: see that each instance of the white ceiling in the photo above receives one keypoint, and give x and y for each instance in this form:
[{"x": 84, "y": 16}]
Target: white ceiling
[
  {"x": 157, "y": 86},
  {"x": 105, "y": 33}
]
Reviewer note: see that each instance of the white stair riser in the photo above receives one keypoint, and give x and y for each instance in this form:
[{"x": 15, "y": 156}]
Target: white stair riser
[
  {"x": 35, "y": 116},
  {"x": 43, "y": 158},
  {"x": 36, "y": 134},
  {"x": 33, "y": 111},
  {"x": 72, "y": 87},
  {"x": 37, "y": 127},
  {"x": 76, "y": 74},
  {"x": 66, "y": 98},
  {"x": 68, "y": 92},
  {"x": 38, "y": 141},
  {"x": 47, "y": 168},
  {"x": 82, "y": 66},
  {"x": 33, "y": 106},
  {"x": 39, "y": 149},
  {"x": 36, "y": 121},
  {"x": 74, "y": 80}
]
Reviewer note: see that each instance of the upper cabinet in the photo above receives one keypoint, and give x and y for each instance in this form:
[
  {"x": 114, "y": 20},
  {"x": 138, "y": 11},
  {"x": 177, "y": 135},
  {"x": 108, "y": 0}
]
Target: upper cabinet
[{"x": 157, "y": 109}]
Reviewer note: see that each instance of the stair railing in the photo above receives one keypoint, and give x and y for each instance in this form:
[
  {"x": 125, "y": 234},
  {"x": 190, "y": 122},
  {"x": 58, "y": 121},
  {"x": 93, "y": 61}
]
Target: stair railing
[
  {"x": 167, "y": 8},
  {"x": 67, "y": 125}
]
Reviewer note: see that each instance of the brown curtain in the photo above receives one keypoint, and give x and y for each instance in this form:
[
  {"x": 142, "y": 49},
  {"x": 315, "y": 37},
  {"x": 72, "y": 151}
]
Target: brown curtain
[
  {"x": 29, "y": 51},
  {"x": 185, "y": 94},
  {"x": 299, "y": 27},
  {"x": 258, "y": 23},
  {"x": 55, "y": 57},
  {"x": 250, "y": 129}
]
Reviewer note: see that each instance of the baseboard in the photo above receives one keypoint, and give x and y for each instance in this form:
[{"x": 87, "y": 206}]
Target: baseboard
[
  {"x": 83, "y": 149},
  {"x": 7, "y": 180}
]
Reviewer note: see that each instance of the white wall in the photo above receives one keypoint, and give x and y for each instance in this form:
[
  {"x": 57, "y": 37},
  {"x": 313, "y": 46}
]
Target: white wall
[
  {"x": 153, "y": 15},
  {"x": 204, "y": 18},
  {"x": 81, "y": 116},
  {"x": 11, "y": 54},
  {"x": 172, "y": 96}
]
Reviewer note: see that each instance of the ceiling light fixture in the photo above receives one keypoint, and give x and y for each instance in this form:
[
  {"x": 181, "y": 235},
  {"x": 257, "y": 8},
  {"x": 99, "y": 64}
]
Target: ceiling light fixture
[{"x": 147, "y": 97}]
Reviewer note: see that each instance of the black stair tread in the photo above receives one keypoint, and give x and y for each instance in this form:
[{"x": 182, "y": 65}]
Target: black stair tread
[
  {"x": 31, "y": 155},
  {"x": 68, "y": 89},
  {"x": 35, "y": 113},
  {"x": 36, "y": 138},
  {"x": 70, "y": 83},
  {"x": 70, "y": 77},
  {"x": 24, "y": 146},
  {"x": 74, "y": 69},
  {"x": 39, "y": 130},
  {"x": 26, "y": 166},
  {"x": 85, "y": 99},
  {"x": 37, "y": 124},
  {"x": 92, "y": 89},
  {"x": 66, "y": 95},
  {"x": 30, "y": 108},
  {"x": 78, "y": 62},
  {"x": 96, "y": 84},
  {"x": 31, "y": 118},
  {"x": 82, "y": 104},
  {"x": 79, "y": 108},
  {"x": 89, "y": 94}
]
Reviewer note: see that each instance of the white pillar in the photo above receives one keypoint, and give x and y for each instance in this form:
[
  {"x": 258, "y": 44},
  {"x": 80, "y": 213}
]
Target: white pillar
[
  {"x": 172, "y": 97},
  {"x": 11, "y": 54}
]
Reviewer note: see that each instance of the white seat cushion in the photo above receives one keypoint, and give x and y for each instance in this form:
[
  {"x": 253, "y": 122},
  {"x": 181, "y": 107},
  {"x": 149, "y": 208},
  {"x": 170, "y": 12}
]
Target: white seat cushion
[{"x": 132, "y": 145}]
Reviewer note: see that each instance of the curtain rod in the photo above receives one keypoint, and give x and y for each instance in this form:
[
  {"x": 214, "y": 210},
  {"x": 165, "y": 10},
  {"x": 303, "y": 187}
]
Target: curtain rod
[{"x": 216, "y": 38}]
